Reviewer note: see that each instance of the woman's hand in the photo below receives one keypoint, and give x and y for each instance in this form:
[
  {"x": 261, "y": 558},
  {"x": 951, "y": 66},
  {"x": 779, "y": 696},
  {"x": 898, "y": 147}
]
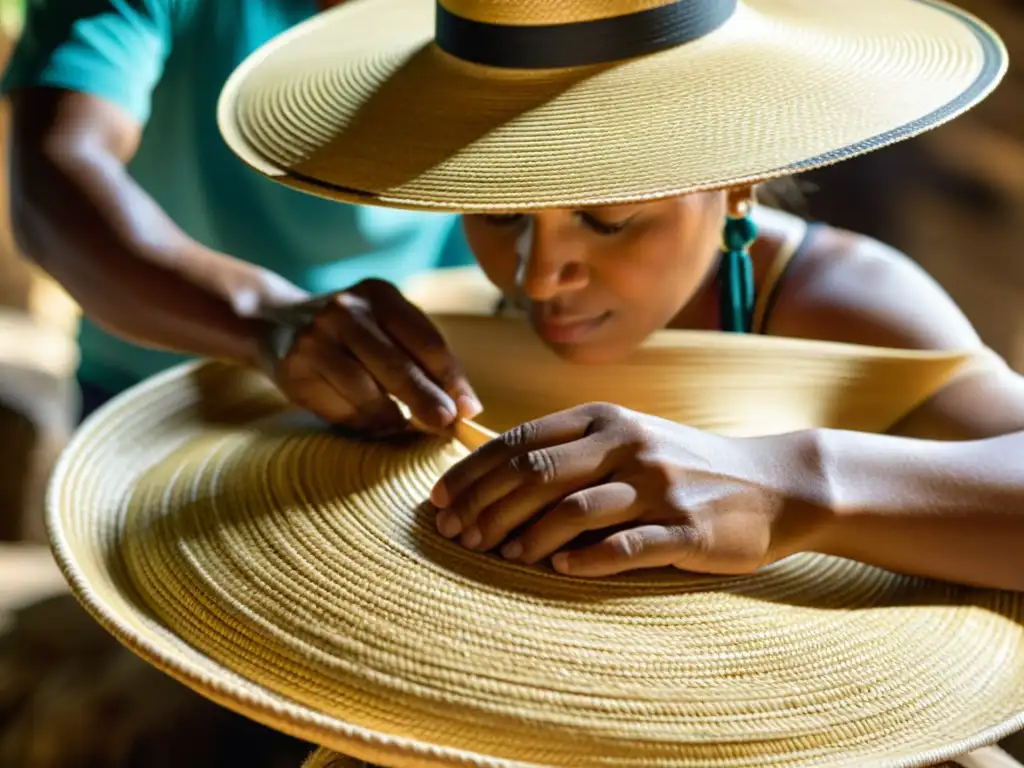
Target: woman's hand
[
  {"x": 661, "y": 493},
  {"x": 343, "y": 355}
]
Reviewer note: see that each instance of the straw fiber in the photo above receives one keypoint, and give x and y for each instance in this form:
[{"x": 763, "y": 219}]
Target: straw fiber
[
  {"x": 295, "y": 576},
  {"x": 520, "y": 12},
  {"x": 783, "y": 86}
]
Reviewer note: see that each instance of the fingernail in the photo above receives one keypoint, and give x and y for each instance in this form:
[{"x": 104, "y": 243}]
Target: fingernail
[
  {"x": 560, "y": 562},
  {"x": 512, "y": 551},
  {"x": 449, "y": 525},
  {"x": 439, "y": 496},
  {"x": 468, "y": 406},
  {"x": 471, "y": 538},
  {"x": 446, "y": 416}
]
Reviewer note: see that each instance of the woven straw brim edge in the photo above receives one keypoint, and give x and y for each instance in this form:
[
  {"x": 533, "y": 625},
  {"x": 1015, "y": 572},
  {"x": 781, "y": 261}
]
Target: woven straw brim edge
[
  {"x": 988, "y": 80},
  {"x": 270, "y": 710},
  {"x": 294, "y": 719}
]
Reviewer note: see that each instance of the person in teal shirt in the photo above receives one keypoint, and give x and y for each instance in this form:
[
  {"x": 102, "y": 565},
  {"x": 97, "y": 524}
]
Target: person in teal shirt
[{"x": 124, "y": 191}]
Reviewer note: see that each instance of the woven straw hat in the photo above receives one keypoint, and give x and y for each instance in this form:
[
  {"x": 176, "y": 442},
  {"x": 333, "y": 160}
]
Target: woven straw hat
[
  {"x": 296, "y": 576},
  {"x": 513, "y": 104}
]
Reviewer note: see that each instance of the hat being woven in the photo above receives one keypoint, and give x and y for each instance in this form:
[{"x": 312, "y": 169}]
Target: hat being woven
[
  {"x": 297, "y": 577},
  {"x": 481, "y": 104}
]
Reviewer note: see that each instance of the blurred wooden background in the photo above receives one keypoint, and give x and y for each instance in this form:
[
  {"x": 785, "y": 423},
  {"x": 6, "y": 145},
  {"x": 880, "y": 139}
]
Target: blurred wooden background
[{"x": 37, "y": 362}]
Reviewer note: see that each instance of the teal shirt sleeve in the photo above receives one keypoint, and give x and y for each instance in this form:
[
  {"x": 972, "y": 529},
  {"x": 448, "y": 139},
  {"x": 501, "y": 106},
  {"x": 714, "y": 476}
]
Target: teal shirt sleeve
[{"x": 112, "y": 49}]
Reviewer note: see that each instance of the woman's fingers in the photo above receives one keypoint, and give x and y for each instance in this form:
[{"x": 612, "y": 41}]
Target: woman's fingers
[
  {"x": 522, "y": 486},
  {"x": 590, "y": 510},
  {"x": 521, "y": 449},
  {"x": 647, "y": 546},
  {"x": 493, "y": 525}
]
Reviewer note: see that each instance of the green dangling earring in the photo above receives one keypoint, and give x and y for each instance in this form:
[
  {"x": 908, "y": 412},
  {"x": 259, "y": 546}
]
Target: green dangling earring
[{"x": 736, "y": 272}]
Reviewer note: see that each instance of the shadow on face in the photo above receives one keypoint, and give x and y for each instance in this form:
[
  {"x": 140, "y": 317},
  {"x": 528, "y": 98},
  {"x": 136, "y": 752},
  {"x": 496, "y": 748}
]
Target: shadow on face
[{"x": 595, "y": 282}]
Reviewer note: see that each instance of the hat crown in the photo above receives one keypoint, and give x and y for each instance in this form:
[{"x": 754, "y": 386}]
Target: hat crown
[
  {"x": 550, "y": 12},
  {"x": 541, "y": 34}
]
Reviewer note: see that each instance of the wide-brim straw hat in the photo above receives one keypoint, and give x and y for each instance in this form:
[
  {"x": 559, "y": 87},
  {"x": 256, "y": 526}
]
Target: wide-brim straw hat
[
  {"x": 296, "y": 576},
  {"x": 473, "y": 105}
]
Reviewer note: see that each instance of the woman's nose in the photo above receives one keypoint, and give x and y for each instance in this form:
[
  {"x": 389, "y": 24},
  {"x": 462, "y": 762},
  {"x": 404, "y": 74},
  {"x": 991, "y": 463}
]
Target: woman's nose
[{"x": 548, "y": 265}]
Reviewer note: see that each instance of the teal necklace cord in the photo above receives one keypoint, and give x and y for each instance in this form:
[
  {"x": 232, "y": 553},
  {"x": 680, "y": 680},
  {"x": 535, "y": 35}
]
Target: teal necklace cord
[{"x": 736, "y": 275}]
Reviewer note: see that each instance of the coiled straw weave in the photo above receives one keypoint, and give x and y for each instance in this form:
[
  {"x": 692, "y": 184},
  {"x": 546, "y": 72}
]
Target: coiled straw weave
[
  {"x": 296, "y": 577},
  {"x": 783, "y": 86}
]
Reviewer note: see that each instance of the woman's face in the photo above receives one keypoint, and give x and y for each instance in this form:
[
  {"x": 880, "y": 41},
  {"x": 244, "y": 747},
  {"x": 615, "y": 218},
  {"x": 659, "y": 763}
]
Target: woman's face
[{"x": 597, "y": 281}]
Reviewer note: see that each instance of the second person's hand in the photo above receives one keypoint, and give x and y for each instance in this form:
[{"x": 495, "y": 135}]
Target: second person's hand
[{"x": 344, "y": 355}]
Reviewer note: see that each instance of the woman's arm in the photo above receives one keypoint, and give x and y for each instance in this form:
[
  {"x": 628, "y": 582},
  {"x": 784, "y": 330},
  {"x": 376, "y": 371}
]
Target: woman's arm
[
  {"x": 81, "y": 217},
  {"x": 666, "y": 494},
  {"x": 943, "y": 494},
  {"x": 946, "y": 510}
]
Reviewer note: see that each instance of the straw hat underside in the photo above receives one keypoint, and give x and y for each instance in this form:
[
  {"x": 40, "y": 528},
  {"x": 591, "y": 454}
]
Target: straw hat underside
[{"x": 357, "y": 104}]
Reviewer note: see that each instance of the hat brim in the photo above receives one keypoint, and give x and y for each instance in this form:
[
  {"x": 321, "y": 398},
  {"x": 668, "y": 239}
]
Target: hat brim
[
  {"x": 357, "y": 104},
  {"x": 296, "y": 577}
]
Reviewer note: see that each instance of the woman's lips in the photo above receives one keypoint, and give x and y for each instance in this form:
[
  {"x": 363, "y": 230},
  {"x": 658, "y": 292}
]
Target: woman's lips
[{"x": 568, "y": 330}]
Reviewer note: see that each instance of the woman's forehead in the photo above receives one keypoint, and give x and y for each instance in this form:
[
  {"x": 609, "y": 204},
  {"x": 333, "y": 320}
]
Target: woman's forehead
[{"x": 616, "y": 210}]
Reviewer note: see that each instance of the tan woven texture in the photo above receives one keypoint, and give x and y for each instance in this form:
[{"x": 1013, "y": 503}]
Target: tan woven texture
[
  {"x": 296, "y": 577},
  {"x": 546, "y": 12},
  {"x": 325, "y": 758},
  {"x": 328, "y": 106}
]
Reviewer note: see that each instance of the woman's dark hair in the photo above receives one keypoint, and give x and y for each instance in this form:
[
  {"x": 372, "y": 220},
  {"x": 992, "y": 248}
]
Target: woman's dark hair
[{"x": 786, "y": 194}]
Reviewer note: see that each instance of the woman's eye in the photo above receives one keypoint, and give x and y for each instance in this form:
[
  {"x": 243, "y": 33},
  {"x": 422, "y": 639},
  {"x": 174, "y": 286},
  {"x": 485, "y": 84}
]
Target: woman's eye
[
  {"x": 603, "y": 227},
  {"x": 503, "y": 219}
]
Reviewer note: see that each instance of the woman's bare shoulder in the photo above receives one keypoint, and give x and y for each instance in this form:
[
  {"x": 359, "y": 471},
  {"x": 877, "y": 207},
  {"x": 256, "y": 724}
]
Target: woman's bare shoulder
[{"x": 851, "y": 288}]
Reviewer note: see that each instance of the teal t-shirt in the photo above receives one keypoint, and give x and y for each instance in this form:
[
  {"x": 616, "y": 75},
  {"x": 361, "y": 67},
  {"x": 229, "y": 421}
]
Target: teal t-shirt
[{"x": 165, "y": 61}]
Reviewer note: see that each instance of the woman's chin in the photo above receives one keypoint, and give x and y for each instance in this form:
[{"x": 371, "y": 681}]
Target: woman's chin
[{"x": 591, "y": 353}]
